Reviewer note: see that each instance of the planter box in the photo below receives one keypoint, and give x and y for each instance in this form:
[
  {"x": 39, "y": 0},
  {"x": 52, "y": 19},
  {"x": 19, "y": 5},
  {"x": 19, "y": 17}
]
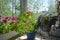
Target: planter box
[
  {"x": 7, "y": 35},
  {"x": 55, "y": 32}
]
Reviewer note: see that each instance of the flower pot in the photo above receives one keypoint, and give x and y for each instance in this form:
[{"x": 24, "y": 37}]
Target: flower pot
[{"x": 30, "y": 36}]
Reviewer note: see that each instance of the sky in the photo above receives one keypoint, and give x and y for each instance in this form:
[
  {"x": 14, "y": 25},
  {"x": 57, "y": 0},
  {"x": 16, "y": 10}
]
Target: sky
[
  {"x": 46, "y": 4},
  {"x": 43, "y": 7}
]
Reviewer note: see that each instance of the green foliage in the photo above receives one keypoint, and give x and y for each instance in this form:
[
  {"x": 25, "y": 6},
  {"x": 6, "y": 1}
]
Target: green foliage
[
  {"x": 4, "y": 28},
  {"x": 7, "y": 24},
  {"x": 26, "y": 23},
  {"x": 7, "y": 27},
  {"x": 4, "y": 8},
  {"x": 53, "y": 9},
  {"x": 17, "y": 7}
]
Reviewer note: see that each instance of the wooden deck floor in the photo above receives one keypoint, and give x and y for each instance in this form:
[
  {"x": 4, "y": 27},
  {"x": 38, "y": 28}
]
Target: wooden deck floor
[{"x": 38, "y": 37}]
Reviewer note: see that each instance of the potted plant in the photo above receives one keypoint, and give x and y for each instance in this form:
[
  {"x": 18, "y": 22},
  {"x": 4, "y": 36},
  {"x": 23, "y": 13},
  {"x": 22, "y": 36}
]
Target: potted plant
[{"x": 26, "y": 25}]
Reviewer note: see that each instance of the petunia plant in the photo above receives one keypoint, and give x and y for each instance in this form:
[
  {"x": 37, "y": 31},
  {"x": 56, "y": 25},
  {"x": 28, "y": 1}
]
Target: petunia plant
[
  {"x": 7, "y": 24},
  {"x": 21, "y": 24}
]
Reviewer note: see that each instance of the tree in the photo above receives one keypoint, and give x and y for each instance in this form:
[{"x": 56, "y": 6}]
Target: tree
[
  {"x": 53, "y": 9},
  {"x": 4, "y": 9}
]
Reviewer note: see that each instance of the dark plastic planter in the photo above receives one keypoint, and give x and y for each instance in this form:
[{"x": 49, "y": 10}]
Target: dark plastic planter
[{"x": 30, "y": 36}]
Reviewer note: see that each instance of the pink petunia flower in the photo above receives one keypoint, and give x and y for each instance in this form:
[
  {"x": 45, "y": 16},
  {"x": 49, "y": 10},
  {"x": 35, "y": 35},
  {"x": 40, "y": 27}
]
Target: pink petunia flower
[
  {"x": 2, "y": 17},
  {"x": 10, "y": 17},
  {"x": 14, "y": 19},
  {"x": 5, "y": 20}
]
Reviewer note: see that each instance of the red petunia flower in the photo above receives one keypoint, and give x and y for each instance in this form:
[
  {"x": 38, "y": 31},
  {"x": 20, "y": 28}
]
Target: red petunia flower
[{"x": 29, "y": 12}]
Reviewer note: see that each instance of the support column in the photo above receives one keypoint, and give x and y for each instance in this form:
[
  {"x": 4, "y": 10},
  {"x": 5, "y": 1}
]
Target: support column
[
  {"x": 23, "y": 6},
  {"x": 58, "y": 7}
]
